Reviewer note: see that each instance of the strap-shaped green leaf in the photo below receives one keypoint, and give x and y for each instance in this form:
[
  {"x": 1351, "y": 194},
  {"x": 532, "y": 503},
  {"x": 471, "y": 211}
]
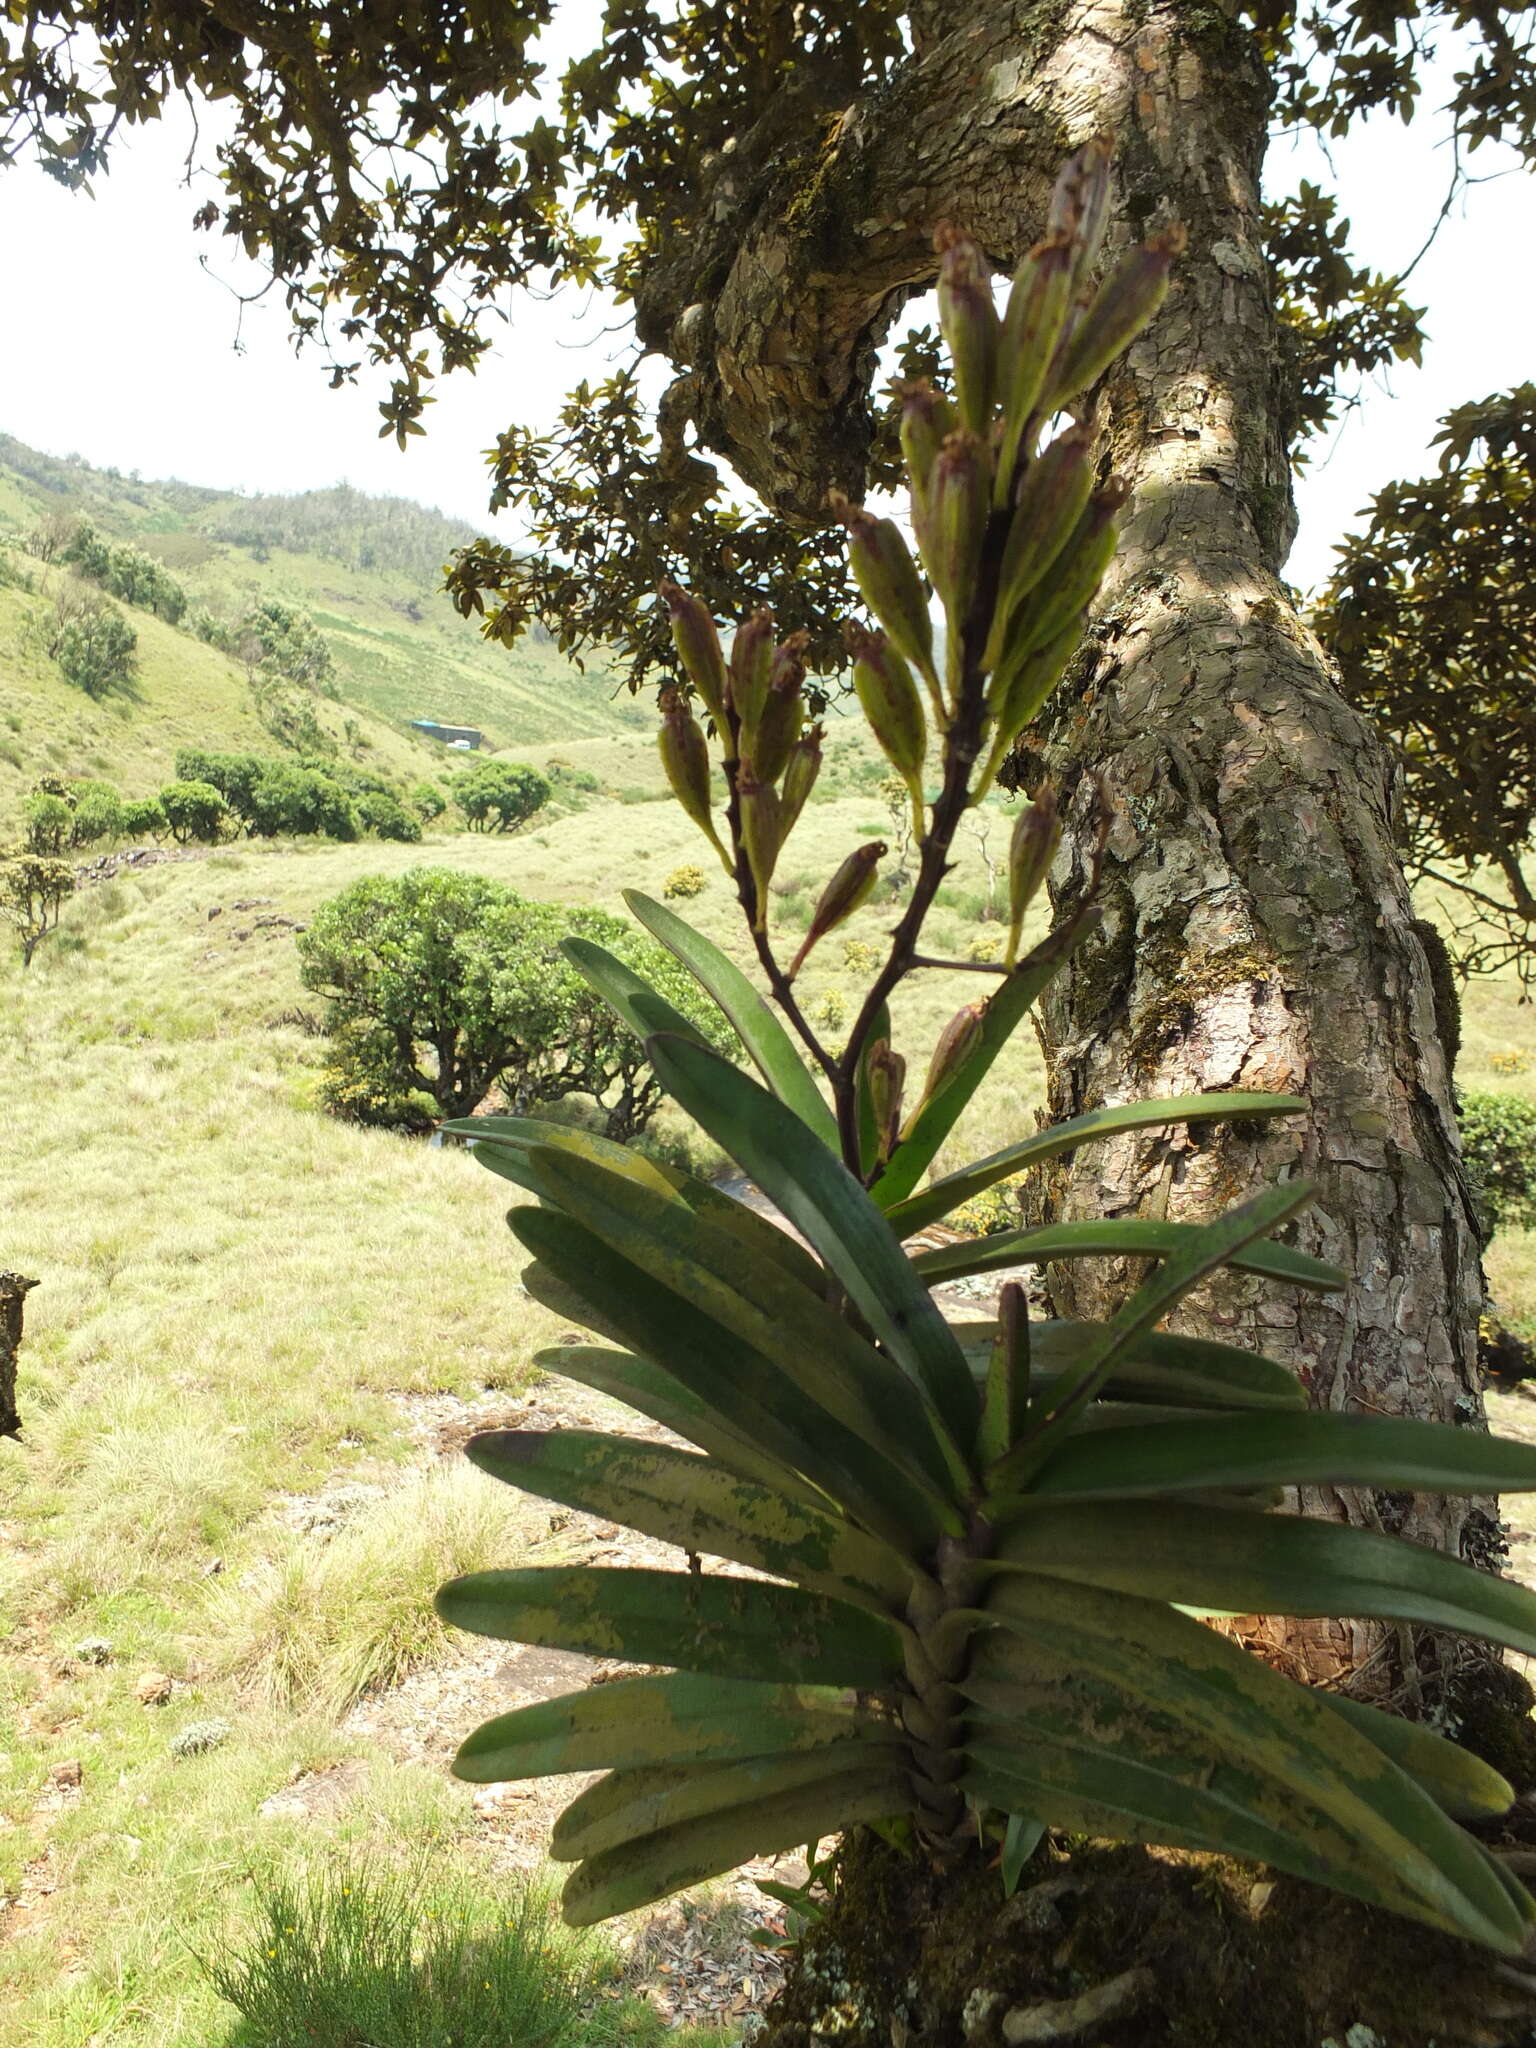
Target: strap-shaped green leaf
[
  {"x": 823, "y": 1200},
  {"x": 1006, "y": 1010},
  {"x": 772, "y": 1050},
  {"x": 1460, "y": 1783},
  {"x": 1124, "y": 1237},
  {"x": 640, "y": 1872},
  {"x": 735, "y": 1382},
  {"x": 629, "y": 995},
  {"x": 678, "y": 1497},
  {"x": 1245, "y": 1710},
  {"x": 722, "y": 1627},
  {"x": 1162, "y": 1367},
  {"x": 1204, "y": 1249},
  {"x": 1286, "y": 1450},
  {"x": 627, "y": 1804},
  {"x": 796, "y": 1329},
  {"x": 674, "y": 1718},
  {"x": 937, "y": 1200},
  {"x": 508, "y": 1145},
  {"x": 1235, "y": 1562},
  {"x": 650, "y": 1391}
]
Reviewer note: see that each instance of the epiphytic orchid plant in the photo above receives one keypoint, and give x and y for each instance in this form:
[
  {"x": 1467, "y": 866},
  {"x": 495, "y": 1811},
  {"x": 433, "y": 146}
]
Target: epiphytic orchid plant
[{"x": 980, "y": 1549}]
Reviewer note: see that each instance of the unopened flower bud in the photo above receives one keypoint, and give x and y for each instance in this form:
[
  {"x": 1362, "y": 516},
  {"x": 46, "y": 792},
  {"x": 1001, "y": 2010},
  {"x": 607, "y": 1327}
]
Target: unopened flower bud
[
  {"x": 1007, "y": 1395},
  {"x": 778, "y": 726},
  {"x": 926, "y": 418},
  {"x": 685, "y": 758},
  {"x": 1019, "y": 687},
  {"x": 698, "y": 648},
  {"x": 887, "y": 575},
  {"x": 959, "y": 501},
  {"x": 957, "y": 1041},
  {"x": 886, "y": 1077},
  {"x": 1032, "y": 324},
  {"x": 1120, "y": 309},
  {"x": 893, "y": 706},
  {"x": 969, "y": 321},
  {"x": 1078, "y": 571},
  {"x": 762, "y": 834},
  {"x": 1036, "y": 836},
  {"x": 1080, "y": 202},
  {"x": 1051, "y": 501},
  {"x": 848, "y": 889},
  {"x": 799, "y": 778},
  {"x": 751, "y": 671}
]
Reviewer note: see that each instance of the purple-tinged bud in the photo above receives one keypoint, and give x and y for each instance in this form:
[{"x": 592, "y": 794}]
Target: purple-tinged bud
[
  {"x": 893, "y": 707},
  {"x": 799, "y": 778},
  {"x": 886, "y": 1077},
  {"x": 957, "y": 1042},
  {"x": 969, "y": 321},
  {"x": 751, "y": 672},
  {"x": 783, "y": 712},
  {"x": 850, "y": 887},
  {"x": 1036, "y": 836},
  {"x": 887, "y": 575},
  {"x": 762, "y": 834},
  {"x": 685, "y": 758},
  {"x": 698, "y": 648},
  {"x": 1080, "y": 202},
  {"x": 958, "y": 504},
  {"x": 1123, "y": 305}
]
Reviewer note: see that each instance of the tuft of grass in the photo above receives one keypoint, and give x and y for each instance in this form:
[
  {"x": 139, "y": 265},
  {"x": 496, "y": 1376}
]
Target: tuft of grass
[
  {"x": 318, "y": 1623},
  {"x": 408, "y": 1959}
]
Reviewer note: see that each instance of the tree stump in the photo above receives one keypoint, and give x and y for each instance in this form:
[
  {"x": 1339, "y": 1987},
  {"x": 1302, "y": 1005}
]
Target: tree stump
[{"x": 14, "y": 1288}]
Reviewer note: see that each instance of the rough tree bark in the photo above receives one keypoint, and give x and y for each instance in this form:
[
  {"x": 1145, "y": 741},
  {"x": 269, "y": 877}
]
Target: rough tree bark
[
  {"x": 1258, "y": 931},
  {"x": 14, "y": 1289}
]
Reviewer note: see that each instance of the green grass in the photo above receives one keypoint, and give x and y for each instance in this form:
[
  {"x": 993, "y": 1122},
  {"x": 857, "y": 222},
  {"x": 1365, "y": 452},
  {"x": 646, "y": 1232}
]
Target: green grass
[{"x": 345, "y": 1954}]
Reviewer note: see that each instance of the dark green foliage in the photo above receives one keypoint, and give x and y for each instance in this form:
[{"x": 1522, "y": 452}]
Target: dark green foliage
[
  {"x": 194, "y": 811},
  {"x": 143, "y": 817},
  {"x": 1429, "y": 617},
  {"x": 386, "y": 817},
  {"x": 285, "y": 799},
  {"x": 125, "y": 571},
  {"x": 498, "y": 796},
  {"x": 427, "y": 801},
  {"x": 1498, "y": 1139},
  {"x": 98, "y": 813},
  {"x": 339, "y": 1957},
  {"x": 442, "y": 986},
  {"x": 96, "y": 649}
]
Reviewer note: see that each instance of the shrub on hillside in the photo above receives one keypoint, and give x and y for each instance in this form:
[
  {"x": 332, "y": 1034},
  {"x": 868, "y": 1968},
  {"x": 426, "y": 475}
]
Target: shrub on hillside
[
  {"x": 498, "y": 796},
  {"x": 387, "y": 818},
  {"x": 94, "y": 646},
  {"x": 47, "y": 822},
  {"x": 427, "y": 801},
  {"x": 443, "y": 986},
  {"x": 684, "y": 881},
  {"x": 1498, "y": 1138},
  {"x": 143, "y": 817},
  {"x": 98, "y": 813},
  {"x": 194, "y": 811},
  {"x": 300, "y": 801},
  {"x": 33, "y": 891},
  {"x": 125, "y": 571},
  {"x": 275, "y": 638}
]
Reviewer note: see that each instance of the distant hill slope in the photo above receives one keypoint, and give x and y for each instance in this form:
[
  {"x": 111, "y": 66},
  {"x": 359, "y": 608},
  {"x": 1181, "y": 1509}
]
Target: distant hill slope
[{"x": 367, "y": 571}]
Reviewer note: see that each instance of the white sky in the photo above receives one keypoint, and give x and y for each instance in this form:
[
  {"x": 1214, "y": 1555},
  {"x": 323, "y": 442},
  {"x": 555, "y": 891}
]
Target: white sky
[{"x": 118, "y": 345}]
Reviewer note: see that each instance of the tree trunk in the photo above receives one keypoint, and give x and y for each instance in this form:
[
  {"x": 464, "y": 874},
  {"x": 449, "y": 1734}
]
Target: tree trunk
[
  {"x": 1258, "y": 932},
  {"x": 14, "y": 1289}
]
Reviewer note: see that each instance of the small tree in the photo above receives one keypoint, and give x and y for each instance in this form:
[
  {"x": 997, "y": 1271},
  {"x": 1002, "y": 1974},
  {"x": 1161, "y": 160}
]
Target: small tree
[
  {"x": 194, "y": 811},
  {"x": 427, "y": 801},
  {"x": 94, "y": 645},
  {"x": 387, "y": 818},
  {"x": 48, "y": 823},
  {"x": 443, "y": 985},
  {"x": 498, "y": 796},
  {"x": 98, "y": 813},
  {"x": 143, "y": 817},
  {"x": 33, "y": 891}
]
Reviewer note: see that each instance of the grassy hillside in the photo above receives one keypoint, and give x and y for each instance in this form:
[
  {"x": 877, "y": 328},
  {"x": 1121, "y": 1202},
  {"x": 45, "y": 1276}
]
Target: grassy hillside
[{"x": 366, "y": 570}]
